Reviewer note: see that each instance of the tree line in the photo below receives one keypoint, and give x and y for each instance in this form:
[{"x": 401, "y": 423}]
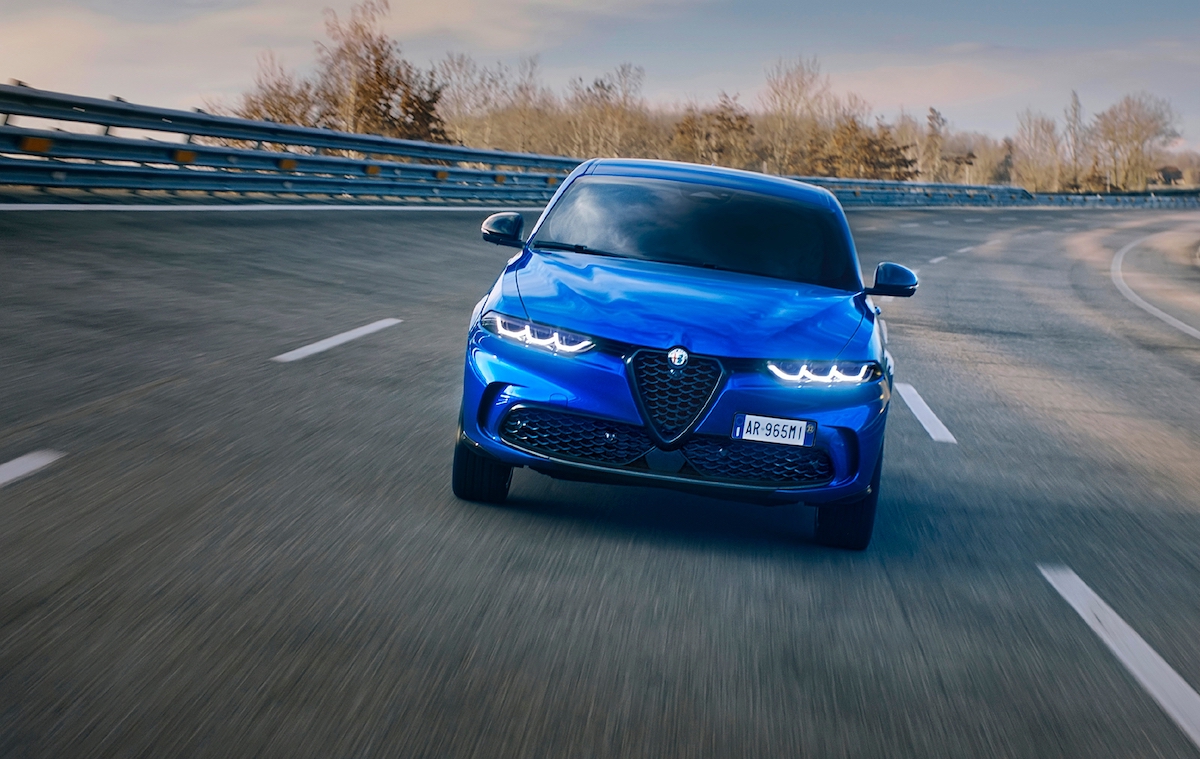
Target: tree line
[{"x": 799, "y": 126}]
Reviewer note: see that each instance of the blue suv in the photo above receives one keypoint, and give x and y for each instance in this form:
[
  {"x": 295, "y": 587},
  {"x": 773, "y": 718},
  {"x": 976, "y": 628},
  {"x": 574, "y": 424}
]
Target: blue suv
[{"x": 689, "y": 327}]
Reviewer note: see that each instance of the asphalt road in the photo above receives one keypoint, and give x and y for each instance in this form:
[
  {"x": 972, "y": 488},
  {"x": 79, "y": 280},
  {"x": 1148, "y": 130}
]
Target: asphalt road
[{"x": 240, "y": 557}]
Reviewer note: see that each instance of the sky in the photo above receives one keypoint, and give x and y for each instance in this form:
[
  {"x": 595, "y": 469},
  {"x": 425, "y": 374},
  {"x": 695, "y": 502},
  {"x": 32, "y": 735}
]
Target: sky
[{"x": 979, "y": 64}]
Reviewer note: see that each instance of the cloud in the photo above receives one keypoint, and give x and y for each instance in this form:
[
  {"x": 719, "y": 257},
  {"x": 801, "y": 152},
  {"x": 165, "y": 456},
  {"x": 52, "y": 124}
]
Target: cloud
[
  {"x": 167, "y": 62},
  {"x": 179, "y": 53},
  {"x": 984, "y": 86},
  {"x": 196, "y": 49},
  {"x": 891, "y": 87}
]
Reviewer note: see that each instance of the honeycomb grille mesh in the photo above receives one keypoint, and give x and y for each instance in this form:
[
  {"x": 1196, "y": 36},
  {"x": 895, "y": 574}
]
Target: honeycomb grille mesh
[
  {"x": 673, "y": 398},
  {"x": 573, "y": 436},
  {"x": 747, "y": 461}
]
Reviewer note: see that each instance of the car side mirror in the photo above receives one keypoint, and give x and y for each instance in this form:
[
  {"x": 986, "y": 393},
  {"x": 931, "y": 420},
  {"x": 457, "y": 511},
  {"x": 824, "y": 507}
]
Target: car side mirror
[
  {"x": 893, "y": 279},
  {"x": 504, "y": 229}
]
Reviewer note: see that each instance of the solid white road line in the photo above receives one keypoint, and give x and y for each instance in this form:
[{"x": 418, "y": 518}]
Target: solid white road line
[
  {"x": 937, "y": 260},
  {"x": 26, "y": 465},
  {"x": 967, "y": 249},
  {"x": 924, "y": 414},
  {"x": 1136, "y": 300},
  {"x": 249, "y": 207},
  {"x": 330, "y": 342},
  {"x": 1170, "y": 690}
]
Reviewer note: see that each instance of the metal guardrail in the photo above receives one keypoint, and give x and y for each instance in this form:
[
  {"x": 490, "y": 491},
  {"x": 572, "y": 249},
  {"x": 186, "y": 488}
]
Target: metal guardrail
[
  {"x": 915, "y": 188},
  {"x": 220, "y": 154},
  {"x": 872, "y": 192},
  {"x": 868, "y": 192},
  {"x": 301, "y": 161},
  {"x": 27, "y": 101}
]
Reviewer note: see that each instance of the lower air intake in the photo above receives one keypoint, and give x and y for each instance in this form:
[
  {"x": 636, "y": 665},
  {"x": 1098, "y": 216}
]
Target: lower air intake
[
  {"x": 574, "y": 436},
  {"x": 746, "y": 461}
]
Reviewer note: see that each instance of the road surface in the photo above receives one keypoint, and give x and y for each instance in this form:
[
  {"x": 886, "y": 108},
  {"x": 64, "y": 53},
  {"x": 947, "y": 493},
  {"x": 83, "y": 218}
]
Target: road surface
[{"x": 218, "y": 554}]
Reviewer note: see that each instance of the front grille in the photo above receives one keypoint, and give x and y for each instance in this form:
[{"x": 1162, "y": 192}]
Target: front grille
[
  {"x": 671, "y": 397},
  {"x": 748, "y": 461},
  {"x": 574, "y": 436}
]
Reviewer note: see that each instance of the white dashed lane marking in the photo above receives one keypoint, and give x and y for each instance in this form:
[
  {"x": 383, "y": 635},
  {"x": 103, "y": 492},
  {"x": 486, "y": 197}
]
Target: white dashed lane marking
[
  {"x": 1163, "y": 684},
  {"x": 967, "y": 249},
  {"x": 937, "y": 260},
  {"x": 924, "y": 414},
  {"x": 26, "y": 465},
  {"x": 331, "y": 342}
]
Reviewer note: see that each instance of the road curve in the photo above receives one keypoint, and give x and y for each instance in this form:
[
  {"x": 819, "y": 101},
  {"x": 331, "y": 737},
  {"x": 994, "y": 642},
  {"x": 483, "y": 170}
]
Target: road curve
[{"x": 217, "y": 554}]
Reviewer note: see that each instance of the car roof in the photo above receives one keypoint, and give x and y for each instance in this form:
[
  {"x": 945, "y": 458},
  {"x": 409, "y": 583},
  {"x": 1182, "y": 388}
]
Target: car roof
[{"x": 714, "y": 175}]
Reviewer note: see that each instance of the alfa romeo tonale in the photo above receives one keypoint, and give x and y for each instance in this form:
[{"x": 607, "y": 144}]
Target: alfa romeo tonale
[{"x": 689, "y": 327}]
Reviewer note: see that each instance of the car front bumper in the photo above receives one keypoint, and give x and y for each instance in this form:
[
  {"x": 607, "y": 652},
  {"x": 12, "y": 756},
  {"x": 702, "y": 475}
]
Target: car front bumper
[{"x": 501, "y": 376}]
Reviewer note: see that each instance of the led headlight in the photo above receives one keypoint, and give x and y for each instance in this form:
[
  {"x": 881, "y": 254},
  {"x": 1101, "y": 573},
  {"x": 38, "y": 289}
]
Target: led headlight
[
  {"x": 535, "y": 335},
  {"x": 825, "y": 372}
]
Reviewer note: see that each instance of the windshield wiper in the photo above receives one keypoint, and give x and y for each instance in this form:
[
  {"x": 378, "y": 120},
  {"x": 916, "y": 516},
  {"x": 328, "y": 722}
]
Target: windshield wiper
[{"x": 552, "y": 245}]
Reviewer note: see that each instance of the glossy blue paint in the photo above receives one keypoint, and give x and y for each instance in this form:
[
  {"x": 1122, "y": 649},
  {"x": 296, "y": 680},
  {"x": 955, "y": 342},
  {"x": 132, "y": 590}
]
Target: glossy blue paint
[
  {"x": 713, "y": 313},
  {"x": 740, "y": 319}
]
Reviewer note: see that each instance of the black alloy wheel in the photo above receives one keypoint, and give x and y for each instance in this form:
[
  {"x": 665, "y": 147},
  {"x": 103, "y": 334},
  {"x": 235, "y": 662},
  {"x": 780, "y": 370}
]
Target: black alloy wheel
[
  {"x": 477, "y": 476},
  {"x": 849, "y": 525}
]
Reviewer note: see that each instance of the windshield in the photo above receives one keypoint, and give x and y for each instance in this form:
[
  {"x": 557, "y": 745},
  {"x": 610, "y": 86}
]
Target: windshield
[{"x": 701, "y": 225}]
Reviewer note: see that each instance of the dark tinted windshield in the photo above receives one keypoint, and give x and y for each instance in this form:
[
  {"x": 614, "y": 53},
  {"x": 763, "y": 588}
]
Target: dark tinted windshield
[{"x": 702, "y": 225}]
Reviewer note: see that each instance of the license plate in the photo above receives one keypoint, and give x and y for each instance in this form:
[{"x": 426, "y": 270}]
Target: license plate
[{"x": 771, "y": 429}]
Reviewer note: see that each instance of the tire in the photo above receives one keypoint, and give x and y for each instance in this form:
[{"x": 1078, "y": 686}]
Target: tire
[
  {"x": 477, "y": 477},
  {"x": 849, "y": 525}
]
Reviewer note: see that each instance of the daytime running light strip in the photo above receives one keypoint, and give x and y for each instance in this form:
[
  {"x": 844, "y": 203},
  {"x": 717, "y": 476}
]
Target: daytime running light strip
[
  {"x": 834, "y": 375},
  {"x": 525, "y": 335}
]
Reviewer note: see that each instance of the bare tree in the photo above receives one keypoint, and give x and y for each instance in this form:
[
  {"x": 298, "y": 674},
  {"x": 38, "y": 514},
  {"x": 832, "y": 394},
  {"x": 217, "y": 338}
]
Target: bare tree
[
  {"x": 1036, "y": 161},
  {"x": 853, "y": 149},
  {"x": 365, "y": 85},
  {"x": 278, "y": 95},
  {"x": 931, "y": 165},
  {"x": 719, "y": 135},
  {"x": 471, "y": 95},
  {"x": 910, "y": 135},
  {"x": 1128, "y": 133},
  {"x": 608, "y": 117},
  {"x": 975, "y": 158},
  {"x": 793, "y": 104},
  {"x": 362, "y": 84},
  {"x": 1076, "y": 145},
  {"x": 1189, "y": 163}
]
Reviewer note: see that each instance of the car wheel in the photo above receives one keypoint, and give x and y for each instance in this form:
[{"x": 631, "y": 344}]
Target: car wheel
[
  {"x": 849, "y": 524},
  {"x": 478, "y": 477}
]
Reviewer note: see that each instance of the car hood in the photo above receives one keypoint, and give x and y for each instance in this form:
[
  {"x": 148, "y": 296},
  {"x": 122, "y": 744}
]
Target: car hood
[{"x": 708, "y": 312}]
